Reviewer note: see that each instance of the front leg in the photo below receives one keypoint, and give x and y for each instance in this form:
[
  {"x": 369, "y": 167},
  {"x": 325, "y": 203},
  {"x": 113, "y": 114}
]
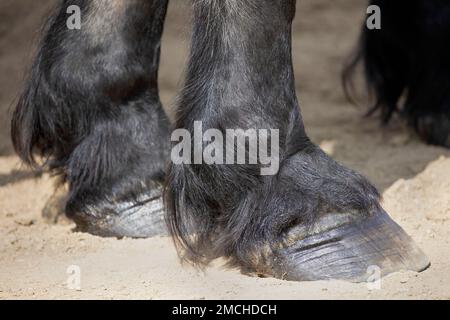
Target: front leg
[
  {"x": 91, "y": 110},
  {"x": 313, "y": 219}
]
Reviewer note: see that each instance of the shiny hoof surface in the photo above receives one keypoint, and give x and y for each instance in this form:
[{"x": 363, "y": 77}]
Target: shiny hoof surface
[
  {"x": 142, "y": 219},
  {"x": 347, "y": 247}
]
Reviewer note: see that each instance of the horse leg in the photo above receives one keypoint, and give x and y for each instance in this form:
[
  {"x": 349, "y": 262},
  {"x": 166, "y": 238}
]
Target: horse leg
[
  {"x": 406, "y": 66},
  {"x": 91, "y": 109},
  {"x": 313, "y": 218}
]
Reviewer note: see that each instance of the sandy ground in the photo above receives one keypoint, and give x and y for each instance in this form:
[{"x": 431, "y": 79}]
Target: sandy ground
[{"x": 35, "y": 257}]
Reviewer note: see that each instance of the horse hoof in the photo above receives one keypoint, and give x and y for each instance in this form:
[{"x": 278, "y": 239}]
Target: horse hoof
[
  {"x": 134, "y": 219},
  {"x": 345, "y": 247}
]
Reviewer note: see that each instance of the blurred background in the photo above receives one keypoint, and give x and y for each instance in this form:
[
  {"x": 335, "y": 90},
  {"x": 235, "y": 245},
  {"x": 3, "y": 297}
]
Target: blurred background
[{"x": 413, "y": 177}]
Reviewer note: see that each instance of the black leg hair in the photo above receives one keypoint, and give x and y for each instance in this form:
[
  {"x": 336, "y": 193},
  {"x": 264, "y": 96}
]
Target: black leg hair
[
  {"x": 313, "y": 220},
  {"x": 406, "y": 65},
  {"x": 91, "y": 110}
]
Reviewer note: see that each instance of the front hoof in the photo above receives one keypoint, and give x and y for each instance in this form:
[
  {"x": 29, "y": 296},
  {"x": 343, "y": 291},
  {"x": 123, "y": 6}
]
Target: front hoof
[
  {"x": 143, "y": 218},
  {"x": 342, "y": 246}
]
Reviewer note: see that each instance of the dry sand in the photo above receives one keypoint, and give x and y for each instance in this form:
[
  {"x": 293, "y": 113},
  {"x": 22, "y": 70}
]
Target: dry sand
[{"x": 414, "y": 179}]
